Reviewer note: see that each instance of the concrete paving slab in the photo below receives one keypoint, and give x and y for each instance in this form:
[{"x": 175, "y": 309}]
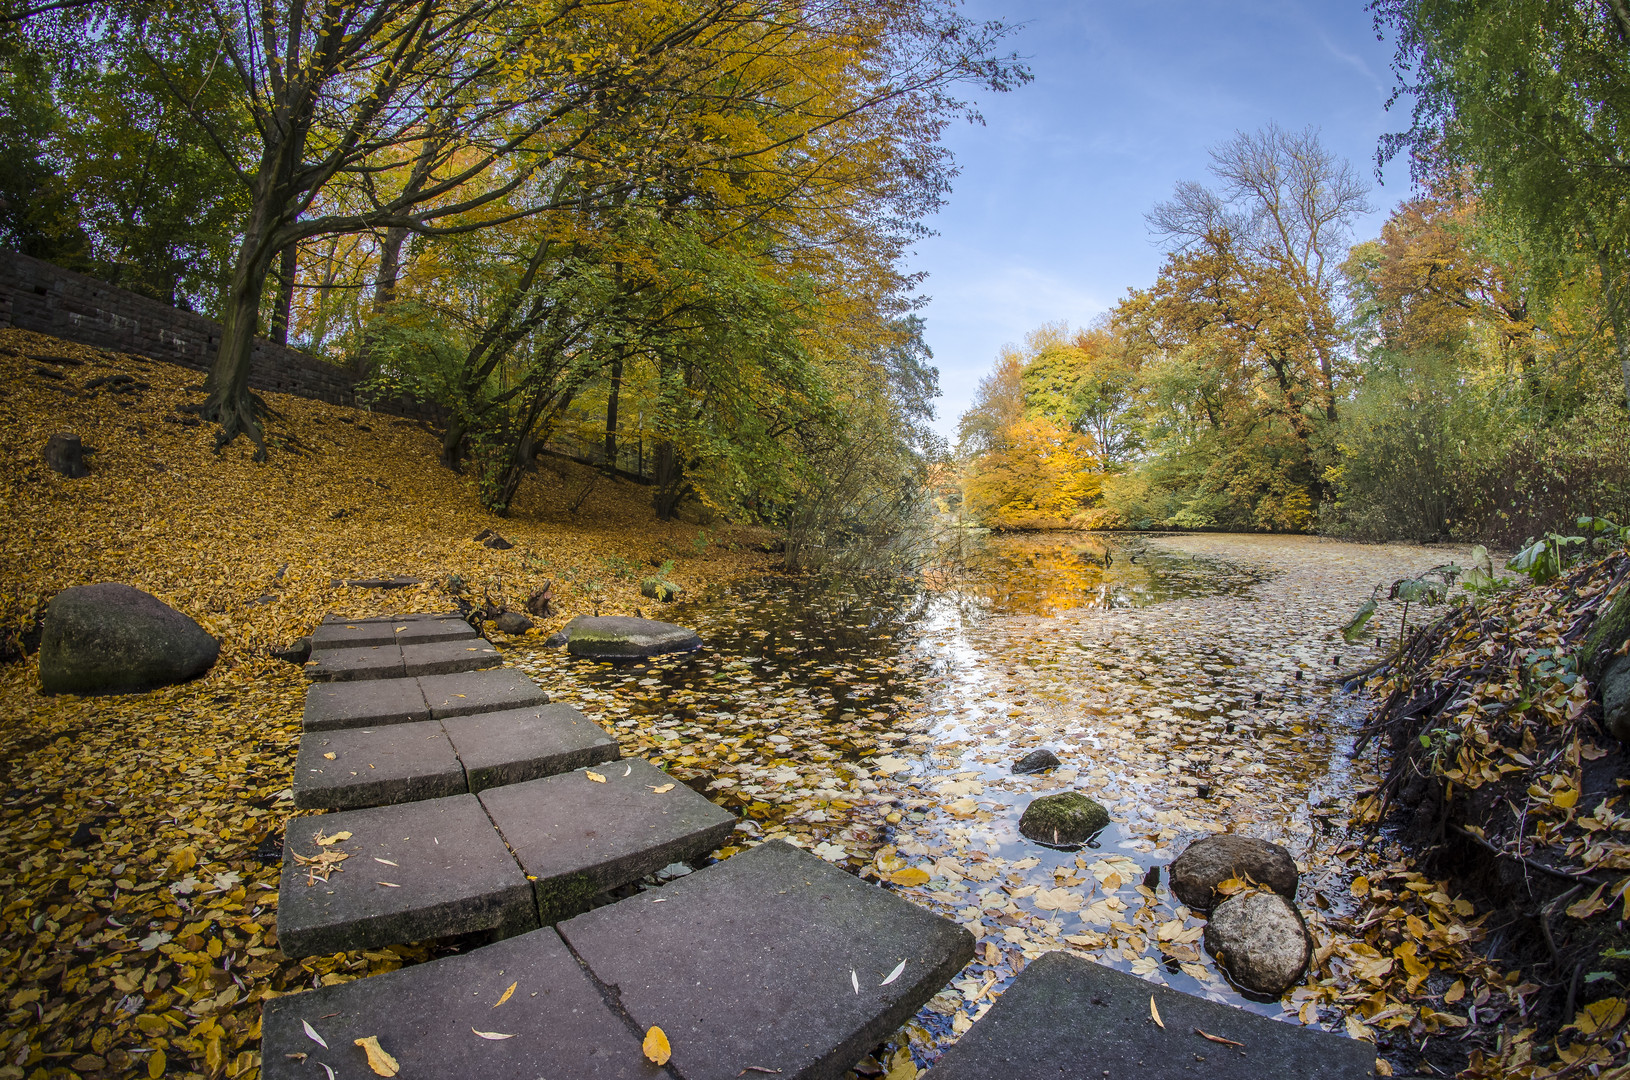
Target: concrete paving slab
[
  {"x": 1065, "y": 1016},
  {"x": 351, "y": 768},
  {"x": 516, "y": 745},
  {"x": 576, "y": 837},
  {"x": 352, "y": 635},
  {"x": 449, "y": 657},
  {"x": 352, "y": 665},
  {"x": 479, "y": 692},
  {"x": 415, "y": 871},
  {"x": 364, "y": 704},
  {"x": 426, "y": 1017},
  {"x": 426, "y": 631},
  {"x": 750, "y": 962}
]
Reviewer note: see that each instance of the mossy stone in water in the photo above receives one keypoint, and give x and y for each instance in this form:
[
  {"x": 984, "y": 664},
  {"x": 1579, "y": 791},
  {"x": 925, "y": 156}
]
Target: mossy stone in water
[{"x": 1063, "y": 820}]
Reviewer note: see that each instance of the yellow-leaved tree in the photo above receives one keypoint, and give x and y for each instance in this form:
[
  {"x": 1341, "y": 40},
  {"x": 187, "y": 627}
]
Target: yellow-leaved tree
[{"x": 1036, "y": 476}]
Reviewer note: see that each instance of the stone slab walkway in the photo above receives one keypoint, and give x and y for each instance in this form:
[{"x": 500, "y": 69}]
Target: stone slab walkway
[
  {"x": 1068, "y": 1017},
  {"x": 427, "y": 1016},
  {"x": 773, "y": 959},
  {"x": 576, "y": 836},
  {"x": 350, "y": 768},
  {"x": 376, "y": 702},
  {"x": 413, "y": 871},
  {"x": 749, "y": 966}
]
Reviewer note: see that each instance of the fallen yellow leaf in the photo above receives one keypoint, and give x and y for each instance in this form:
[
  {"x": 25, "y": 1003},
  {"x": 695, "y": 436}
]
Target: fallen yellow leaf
[
  {"x": 911, "y": 875},
  {"x": 1455, "y": 992},
  {"x": 324, "y": 841},
  {"x": 505, "y": 996},
  {"x": 1154, "y": 1013},
  {"x": 380, "y": 1062},
  {"x": 656, "y": 1046},
  {"x": 663, "y": 788},
  {"x": 592, "y": 775},
  {"x": 492, "y": 1036}
]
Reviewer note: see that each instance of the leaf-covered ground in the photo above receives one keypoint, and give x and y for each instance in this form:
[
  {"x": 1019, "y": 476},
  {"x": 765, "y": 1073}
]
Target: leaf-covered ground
[{"x": 137, "y": 887}]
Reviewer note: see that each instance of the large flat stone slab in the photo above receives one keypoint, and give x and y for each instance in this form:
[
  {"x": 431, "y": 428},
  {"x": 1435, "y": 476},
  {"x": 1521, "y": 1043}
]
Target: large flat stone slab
[
  {"x": 621, "y": 637},
  {"x": 449, "y": 657},
  {"x": 352, "y": 635},
  {"x": 516, "y": 745},
  {"x": 424, "y": 631},
  {"x": 353, "y": 664},
  {"x": 480, "y": 691},
  {"x": 363, "y": 704},
  {"x": 417, "y": 870},
  {"x": 748, "y": 963},
  {"x": 577, "y": 837},
  {"x": 351, "y": 768},
  {"x": 426, "y": 1017},
  {"x": 1065, "y": 1016}
]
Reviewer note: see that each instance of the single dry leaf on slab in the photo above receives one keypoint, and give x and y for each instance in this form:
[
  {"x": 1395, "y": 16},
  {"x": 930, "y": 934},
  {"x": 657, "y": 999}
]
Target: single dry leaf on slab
[
  {"x": 505, "y": 995},
  {"x": 324, "y": 841},
  {"x": 311, "y": 1033},
  {"x": 663, "y": 788},
  {"x": 1217, "y": 1038},
  {"x": 656, "y": 1046},
  {"x": 592, "y": 775},
  {"x": 380, "y": 1062},
  {"x": 493, "y": 1036},
  {"x": 330, "y": 755},
  {"x": 1154, "y": 1013},
  {"x": 895, "y": 974},
  {"x": 854, "y": 978}
]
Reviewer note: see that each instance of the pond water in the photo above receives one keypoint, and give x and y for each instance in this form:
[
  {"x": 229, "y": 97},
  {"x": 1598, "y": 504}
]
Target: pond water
[{"x": 1180, "y": 685}]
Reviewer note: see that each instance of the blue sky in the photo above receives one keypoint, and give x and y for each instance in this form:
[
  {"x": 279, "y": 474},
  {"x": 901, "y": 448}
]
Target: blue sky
[{"x": 1046, "y": 220}]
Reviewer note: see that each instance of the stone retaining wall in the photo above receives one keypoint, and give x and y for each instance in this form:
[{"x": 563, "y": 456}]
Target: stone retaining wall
[{"x": 44, "y": 298}]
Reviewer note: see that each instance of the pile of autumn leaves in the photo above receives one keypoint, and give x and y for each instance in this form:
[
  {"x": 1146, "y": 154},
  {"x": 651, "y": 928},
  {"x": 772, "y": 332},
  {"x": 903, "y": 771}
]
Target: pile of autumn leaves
[{"x": 1515, "y": 715}]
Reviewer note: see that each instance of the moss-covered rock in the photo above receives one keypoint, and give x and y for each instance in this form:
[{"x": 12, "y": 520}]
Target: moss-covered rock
[
  {"x": 563, "y": 897},
  {"x": 1063, "y": 820}
]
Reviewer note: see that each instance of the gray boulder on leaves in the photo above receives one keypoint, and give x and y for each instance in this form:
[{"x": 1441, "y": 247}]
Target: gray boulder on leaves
[
  {"x": 1260, "y": 939},
  {"x": 1208, "y": 862},
  {"x": 1063, "y": 820},
  {"x": 512, "y": 622},
  {"x": 1615, "y": 687},
  {"x": 65, "y": 454},
  {"x": 110, "y": 637}
]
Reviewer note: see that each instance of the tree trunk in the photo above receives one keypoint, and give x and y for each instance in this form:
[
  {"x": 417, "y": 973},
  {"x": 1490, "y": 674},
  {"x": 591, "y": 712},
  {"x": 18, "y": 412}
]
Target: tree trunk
[
  {"x": 230, "y": 404},
  {"x": 670, "y": 481},
  {"x": 287, "y": 266},
  {"x": 611, "y": 413},
  {"x": 1615, "y": 314},
  {"x": 452, "y": 445},
  {"x": 390, "y": 267}
]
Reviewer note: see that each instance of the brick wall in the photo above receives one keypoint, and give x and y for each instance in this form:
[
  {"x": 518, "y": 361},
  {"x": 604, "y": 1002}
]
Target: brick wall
[{"x": 47, "y": 299}]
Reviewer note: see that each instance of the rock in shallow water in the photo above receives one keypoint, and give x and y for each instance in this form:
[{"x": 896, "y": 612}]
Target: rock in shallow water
[
  {"x": 1205, "y": 863},
  {"x": 100, "y": 638},
  {"x": 1036, "y": 761},
  {"x": 512, "y": 622},
  {"x": 1259, "y": 937},
  {"x": 619, "y": 637},
  {"x": 1063, "y": 820}
]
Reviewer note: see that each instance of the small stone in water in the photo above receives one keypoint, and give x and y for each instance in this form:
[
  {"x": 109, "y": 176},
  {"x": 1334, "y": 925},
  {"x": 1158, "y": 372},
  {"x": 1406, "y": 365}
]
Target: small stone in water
[
  {"x": 1063, "y": 820},
  {"x": 1036, "y": 761}
]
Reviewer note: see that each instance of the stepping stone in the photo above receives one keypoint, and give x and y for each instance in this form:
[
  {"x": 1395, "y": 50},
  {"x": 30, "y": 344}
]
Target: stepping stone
[
  {"x": 364, "y": 704},
  {"x": 449, "y": 657},
  {"x": 523, "y": 744},
  {"x": 382, "y": 583},
  {"x": 577, "y": 838},
  {"x": 621, "y": 637},
  {"x": 356, "y": 767},
  {"x": 415, "y": 871},
  {"x": 1063, "y": 1013},
  {"x": 350, "y": 665},
  {"x": 352, "y": 635},
  {"x": 425, "y": 1017},
  {"x": 480, "y": 691},
  {"x": 748, "y": 963},
  {"x": 424, "y": 631}
]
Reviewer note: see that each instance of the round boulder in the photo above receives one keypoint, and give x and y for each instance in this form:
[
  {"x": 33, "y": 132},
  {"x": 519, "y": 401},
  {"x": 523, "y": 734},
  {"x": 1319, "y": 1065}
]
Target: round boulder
[
  {"x": 512, "y": 622},
  {"x": 1260, "y": 939},
  {"x": 1208, "y": 862},
  {"x": 1615, "y": 688},
  {"x": 620, "y": 637},
  {"x": 1067, "y": 819},
  {"x": 100, "y": 638},
  {"x": 1036, "y": 761}
]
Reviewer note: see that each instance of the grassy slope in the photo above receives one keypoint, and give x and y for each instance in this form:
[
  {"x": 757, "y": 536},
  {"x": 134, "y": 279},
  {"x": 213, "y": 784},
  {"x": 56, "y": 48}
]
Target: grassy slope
[{"x": 129, "y": 819}]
